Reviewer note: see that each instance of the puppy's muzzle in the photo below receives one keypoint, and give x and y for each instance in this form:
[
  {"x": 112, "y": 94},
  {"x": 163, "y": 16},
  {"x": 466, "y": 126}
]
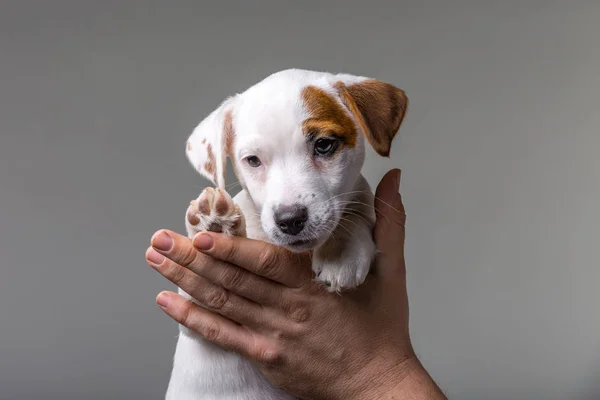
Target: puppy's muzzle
[{"x": 291, "y": 219}]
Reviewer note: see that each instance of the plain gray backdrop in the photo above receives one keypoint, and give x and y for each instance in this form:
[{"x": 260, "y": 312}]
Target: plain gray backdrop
[{"x": 499, "y": 152}]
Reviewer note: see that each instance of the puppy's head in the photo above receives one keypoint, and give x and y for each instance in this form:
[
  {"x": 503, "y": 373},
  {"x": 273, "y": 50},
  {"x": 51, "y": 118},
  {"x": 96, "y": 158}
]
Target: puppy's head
[{"x": 296, "y": 141}]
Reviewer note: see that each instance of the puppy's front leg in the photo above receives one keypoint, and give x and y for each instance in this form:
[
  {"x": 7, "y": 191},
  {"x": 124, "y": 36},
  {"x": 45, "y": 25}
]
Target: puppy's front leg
[
  {"x": 215, "y": 211},
  {"x": 195, "y": 361},
  {"x": 344, "y": 261}
]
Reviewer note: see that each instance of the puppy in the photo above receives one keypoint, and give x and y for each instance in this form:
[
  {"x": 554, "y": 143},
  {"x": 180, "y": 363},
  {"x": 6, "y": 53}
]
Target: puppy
[{"x": 296, "y": 141}]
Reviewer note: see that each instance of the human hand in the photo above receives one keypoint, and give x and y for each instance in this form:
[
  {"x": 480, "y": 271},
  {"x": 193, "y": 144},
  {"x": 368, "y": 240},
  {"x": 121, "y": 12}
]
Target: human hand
[{"x": 260, "y": 300}]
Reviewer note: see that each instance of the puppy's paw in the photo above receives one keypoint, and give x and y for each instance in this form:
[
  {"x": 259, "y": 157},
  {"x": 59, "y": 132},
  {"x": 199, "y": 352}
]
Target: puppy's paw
[
  {"x": 214, "y": 210},
  {"x": 346, "y": 272}
]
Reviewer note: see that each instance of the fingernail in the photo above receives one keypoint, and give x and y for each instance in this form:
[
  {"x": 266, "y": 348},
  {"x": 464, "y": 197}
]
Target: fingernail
[
  {"x": 163, "y": 300},
  {"x": 203, "y": 241},
  {"x": 154, "y": 257},
  {"x": 162, "y": 242}
]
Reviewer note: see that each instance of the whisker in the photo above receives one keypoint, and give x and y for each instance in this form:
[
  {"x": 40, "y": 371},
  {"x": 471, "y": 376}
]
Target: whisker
[
  {"x": 351, "y": 192},
  {"x": 341, "y": 225},
  {"x": 363, "y": 218},
  {"x": 370, "y": 195}
]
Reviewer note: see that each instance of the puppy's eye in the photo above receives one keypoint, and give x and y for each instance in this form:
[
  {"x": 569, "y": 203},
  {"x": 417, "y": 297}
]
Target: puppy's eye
[
  {"x": 253, "y": 161},
  {"x": 325, "y": 146}
]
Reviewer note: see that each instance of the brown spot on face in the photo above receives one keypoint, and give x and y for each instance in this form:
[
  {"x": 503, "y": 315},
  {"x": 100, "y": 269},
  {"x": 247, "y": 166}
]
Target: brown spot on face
[
  {"x": 379, "y": 107},
  {"x": 327, "y": 116},
  {"x": 204, "y": 141},
  {"x": 189, "y": 146}
]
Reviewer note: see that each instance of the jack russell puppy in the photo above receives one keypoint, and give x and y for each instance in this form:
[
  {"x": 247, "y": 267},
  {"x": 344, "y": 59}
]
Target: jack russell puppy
[{"x": 296, "y": 143}]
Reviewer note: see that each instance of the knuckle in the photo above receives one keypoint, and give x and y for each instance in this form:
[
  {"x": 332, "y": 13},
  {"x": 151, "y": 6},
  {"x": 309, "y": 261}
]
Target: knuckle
[
  {"x": 176, "y": 273},
  {"x": 267, "y": 357},
  {"x": 210, "y": 331},
  {"x": 300, "y": 313},
  {"x": 228, "y": 250},
  {"x": 187, "y": 255},
  {"x": 233, "y": 278},
  {"x": 185, "y": 318},
  {"x": 216, "y": 298},
  {"x": 278, "y": 335},
  {"x": 268, "y": 261}
]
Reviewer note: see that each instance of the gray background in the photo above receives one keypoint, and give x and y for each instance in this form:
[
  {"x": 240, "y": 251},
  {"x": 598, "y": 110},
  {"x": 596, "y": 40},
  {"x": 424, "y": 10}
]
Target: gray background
[{"x": 499, "y": 152}]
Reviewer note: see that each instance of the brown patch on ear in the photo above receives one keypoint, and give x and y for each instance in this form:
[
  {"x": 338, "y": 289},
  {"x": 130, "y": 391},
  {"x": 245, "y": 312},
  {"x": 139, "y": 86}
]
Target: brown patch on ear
[
  {"x": 379, "y": 108},
  {"x": 327, "y": 116},
  {"x": 228, "y": 134},
  {"x": 211, "y": 164},
  {"x": 228, "y": 142},
  {"x": 228, "y": 139}
]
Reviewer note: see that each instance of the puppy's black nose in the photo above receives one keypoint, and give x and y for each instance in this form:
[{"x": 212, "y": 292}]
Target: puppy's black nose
[{"x": 291, "y": 219}]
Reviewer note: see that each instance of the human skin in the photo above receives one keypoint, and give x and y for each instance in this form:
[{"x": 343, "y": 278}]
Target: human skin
[{"x": 261, "y": 301}]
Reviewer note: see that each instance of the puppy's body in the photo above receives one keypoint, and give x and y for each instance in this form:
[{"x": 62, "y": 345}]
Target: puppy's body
[{"x": 296, "y": 141}]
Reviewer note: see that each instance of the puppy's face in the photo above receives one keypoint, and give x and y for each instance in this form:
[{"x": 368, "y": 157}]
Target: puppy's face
[{"x": 296, "y": 140}]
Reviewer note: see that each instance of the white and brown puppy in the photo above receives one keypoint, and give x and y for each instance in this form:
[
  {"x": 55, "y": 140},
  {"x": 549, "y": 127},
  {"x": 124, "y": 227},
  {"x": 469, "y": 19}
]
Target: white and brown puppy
[{"x": 296, "y": 141}]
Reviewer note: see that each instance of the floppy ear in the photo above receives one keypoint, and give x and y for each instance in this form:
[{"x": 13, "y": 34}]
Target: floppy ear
[
  {"x": 211, "y": 142},
  {"x": 379, "y": 108}
]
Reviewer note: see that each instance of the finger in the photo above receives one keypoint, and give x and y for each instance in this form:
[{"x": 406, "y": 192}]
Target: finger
[
  {"x": 209, "y": 295},
  {"x": 261, "y": 258},
  {"x": 216, "y": 329},
  {"x": 391, "y": 217},
  {"x": 224, "y": 274}
]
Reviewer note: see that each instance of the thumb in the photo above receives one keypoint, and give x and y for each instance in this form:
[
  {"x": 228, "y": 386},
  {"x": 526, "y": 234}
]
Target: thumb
[{"x": 391, "y": 218}]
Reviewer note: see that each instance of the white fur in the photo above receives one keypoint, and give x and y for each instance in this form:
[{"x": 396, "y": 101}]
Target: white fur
[{"x": 267, "y": 120}]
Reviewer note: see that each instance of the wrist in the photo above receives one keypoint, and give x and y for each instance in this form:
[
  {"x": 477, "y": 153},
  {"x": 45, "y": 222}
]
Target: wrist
[
  {"x": 416, "y": 385},
  {"x": 406, "y": 380}
]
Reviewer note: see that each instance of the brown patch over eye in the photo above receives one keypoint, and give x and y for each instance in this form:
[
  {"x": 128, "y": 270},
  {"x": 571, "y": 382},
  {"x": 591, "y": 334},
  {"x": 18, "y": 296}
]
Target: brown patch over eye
[{"x": 327, "y": 116}]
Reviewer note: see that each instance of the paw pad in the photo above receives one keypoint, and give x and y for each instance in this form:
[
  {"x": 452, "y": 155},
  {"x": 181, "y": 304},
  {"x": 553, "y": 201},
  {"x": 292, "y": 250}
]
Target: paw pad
[{"x": 215, "y": 211}]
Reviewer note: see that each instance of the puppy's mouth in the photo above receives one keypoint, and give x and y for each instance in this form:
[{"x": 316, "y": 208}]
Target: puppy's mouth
[{"x": 303, "y": 244}]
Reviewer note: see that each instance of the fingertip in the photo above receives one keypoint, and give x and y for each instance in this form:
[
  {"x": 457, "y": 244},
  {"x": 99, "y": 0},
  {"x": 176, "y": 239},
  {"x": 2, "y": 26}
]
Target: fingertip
[
  {"x": 389, "y": 184},
  {"x": 391, "y": 216},
  {"x": 163, "y": 299},
  {"x": 154, "y": 257},
  {"x": 162, "y": 240}
]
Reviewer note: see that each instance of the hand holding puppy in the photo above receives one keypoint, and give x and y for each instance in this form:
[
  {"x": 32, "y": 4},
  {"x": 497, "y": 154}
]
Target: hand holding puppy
[{"x": 260, "y": 300}]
